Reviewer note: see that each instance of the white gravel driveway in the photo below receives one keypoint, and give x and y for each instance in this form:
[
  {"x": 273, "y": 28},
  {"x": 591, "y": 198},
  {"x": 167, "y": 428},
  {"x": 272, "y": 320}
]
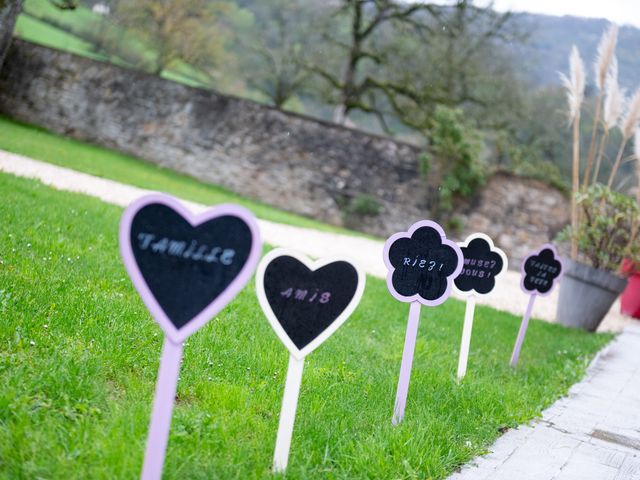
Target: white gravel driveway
[{"x": 507, "y": 295}]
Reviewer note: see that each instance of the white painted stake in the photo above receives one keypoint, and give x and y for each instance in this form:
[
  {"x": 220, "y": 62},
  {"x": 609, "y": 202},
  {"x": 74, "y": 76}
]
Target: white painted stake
[
  {"x": 466, "y": 337},
  {"x": 288, "y": 414}
]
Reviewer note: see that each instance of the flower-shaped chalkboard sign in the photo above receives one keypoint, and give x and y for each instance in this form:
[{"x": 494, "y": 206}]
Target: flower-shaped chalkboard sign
[
  {"x": 483, "y": 262},
  {"x": 422, "y": 264},
  {"x": 540, "y": 271}
]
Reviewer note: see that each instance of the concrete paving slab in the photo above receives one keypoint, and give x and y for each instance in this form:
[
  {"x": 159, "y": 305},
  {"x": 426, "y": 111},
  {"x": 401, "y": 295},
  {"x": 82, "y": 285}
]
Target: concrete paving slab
[{"x": 592, "y": 434}]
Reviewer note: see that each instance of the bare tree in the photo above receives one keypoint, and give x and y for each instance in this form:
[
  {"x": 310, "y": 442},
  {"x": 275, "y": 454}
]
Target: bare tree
[
  {"x": 277, "y": 41},
  {"x": 175, "y": 29},
  {"x": 390, "y": 52},
  {"x": 9, "y": 11}
]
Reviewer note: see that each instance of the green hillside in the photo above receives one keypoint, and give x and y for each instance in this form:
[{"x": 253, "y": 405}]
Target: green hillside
[{"x": 551, "y": 39}]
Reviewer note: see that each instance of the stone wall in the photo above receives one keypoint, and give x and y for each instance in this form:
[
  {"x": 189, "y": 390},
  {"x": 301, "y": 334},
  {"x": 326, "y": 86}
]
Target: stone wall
[
  {"x": 519, "y": 214},
  {"x": 290, "y": 161},
  {"x": 299, "y": 164}
]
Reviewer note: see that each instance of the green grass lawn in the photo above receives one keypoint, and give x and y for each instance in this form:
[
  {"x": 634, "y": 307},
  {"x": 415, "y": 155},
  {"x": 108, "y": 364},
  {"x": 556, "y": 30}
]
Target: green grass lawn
[
  {"x": 79, "y": 356},
  {"x": 64, "y": 35},
  {"x": 32, "y": 29},
  {"x": 37, "y": 143}
]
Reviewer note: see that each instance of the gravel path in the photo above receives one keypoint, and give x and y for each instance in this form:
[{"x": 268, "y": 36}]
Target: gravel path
[{"x": 366, "y": 252}]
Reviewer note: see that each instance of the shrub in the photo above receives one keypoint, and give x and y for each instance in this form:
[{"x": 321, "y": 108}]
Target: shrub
[
  {"x": 363, "y": 205},
  {"x": 457, "y": 146},
  {"x": 609, "y": 230}
]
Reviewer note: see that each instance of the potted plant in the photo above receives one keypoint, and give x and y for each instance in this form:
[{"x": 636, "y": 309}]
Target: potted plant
[
  {"x": 607, "y": 234},
  {"x": 605, "y": 224}
]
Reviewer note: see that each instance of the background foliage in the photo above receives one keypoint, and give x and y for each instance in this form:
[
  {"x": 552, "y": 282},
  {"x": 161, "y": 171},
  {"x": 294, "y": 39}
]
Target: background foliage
[{"x": 380, "y": 65}]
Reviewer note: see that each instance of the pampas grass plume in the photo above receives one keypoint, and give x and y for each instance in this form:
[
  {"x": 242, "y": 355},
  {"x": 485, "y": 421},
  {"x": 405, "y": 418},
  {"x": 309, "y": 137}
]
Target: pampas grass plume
[
  {"x": 632, "y": 115},
  {"x": 574, "y": 83},
  {"x": 614, "y": 97},
  {"x": 605, "y": 55}
]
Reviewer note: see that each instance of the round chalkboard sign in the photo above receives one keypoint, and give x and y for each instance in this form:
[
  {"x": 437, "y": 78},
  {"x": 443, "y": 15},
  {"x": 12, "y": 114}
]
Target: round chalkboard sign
[
  {"x": 483, "y": 262},
  {"x": 306, "y": 301},
  {"x": 422, "y": 264},
  {"x": 187, "y": 267},
  {"x": 540, "y": 271}
]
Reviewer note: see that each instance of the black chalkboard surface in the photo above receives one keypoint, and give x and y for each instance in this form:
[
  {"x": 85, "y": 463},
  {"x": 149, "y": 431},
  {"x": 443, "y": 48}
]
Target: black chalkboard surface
[
  {"x": 540, "y": 271},
  {"x": 422, "y": 263},
  {"x": 306, "y": 302},
  {"x": 481, "y": 265},
  {"x": 187, "y": 267}
]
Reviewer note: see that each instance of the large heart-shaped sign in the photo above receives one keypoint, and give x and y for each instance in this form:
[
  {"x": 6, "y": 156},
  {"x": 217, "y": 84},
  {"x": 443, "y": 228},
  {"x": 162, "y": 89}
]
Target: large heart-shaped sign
[
  {"x": 306, "y": 301},
  {"x": 187, "y": 267}
]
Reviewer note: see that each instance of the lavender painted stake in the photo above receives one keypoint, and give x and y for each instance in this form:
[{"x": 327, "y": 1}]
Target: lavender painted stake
[
  {"x": 305, "y": 303},
  {"x": 483, "y": 262},
  {"x": 422, "y": 264},
  {"x": 540, "y": 271},
  {"x": 162, "y": 410},
  {"x": 186, "y": 268},
  {"x": 523, "y": 331}
]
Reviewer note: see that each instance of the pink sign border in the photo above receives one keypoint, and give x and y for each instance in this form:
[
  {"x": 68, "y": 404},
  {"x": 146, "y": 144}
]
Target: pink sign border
[
  {"x": 180, "y": 335},
  {"x": 555, "y": 280},
  {"x": 416, "y": 297}
]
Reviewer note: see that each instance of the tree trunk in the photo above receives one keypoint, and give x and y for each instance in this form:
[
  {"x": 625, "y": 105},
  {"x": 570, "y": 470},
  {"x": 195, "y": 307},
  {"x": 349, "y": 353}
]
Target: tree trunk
[{"x": 9, "y": 10}]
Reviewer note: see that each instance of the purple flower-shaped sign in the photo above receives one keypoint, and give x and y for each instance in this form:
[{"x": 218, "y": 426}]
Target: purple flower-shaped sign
[
  {"x": 540, "y": 271},
  {"x": 422, "y": 264}
]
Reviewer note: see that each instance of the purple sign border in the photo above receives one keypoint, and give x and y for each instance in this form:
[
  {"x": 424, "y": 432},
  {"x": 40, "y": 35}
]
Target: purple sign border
[
  {"x": 180, "y": 335},
  {"x": 416, "y": 297},
  {"x": 554, "y": 281}
]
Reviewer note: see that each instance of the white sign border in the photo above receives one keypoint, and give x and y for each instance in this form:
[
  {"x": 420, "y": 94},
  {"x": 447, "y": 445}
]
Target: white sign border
[
  {"x": 311, "y": 265},
  {"x": 505, "y": 263}
]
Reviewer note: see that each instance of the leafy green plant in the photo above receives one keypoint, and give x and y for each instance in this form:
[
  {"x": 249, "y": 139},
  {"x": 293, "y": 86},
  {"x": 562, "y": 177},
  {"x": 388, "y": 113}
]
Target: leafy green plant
[
  {"x": 527, "y": 160},
  {"x": 424, "y": 163},
  {"x": 454, "y": 224},
  {"x": 456, "y": 145},
  {"x": 364, "y": 205},
  {"x": 609, "y": 230}
]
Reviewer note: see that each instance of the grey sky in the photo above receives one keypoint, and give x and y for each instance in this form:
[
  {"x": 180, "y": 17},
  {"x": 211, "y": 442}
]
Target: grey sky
[{"x": 619, "y": 11}]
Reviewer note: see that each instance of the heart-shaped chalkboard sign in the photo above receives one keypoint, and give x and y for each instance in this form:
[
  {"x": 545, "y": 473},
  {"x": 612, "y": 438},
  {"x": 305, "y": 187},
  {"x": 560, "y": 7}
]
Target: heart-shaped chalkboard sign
[
  {"x": 483, "y": 262},
  {"x": 306, "y": 301},
  {"x": 422, "y": 264},
  {"x": 187, "y": 267}
]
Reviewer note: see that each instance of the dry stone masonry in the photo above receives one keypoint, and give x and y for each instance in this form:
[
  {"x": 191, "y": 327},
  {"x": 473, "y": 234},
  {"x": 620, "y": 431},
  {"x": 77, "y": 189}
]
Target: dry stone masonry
[{"x": 293, "y": 162}]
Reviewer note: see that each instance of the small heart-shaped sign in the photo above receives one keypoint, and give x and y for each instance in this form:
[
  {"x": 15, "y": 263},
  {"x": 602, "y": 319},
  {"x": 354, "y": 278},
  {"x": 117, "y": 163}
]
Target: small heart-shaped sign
[
  {"x": 187, "y": 267},
  {"x": 306, "y": 301}
]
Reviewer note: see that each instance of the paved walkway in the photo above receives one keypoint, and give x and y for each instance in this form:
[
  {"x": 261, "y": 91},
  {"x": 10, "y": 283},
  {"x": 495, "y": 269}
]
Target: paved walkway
[
  {"x": 507, "y": 295},
  {"x": 592, "y": 434}
]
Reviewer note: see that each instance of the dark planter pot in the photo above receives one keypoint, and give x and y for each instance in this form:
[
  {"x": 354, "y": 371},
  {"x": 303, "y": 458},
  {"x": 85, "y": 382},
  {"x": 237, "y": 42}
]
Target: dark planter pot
[{"x": 586, "y": 295}]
